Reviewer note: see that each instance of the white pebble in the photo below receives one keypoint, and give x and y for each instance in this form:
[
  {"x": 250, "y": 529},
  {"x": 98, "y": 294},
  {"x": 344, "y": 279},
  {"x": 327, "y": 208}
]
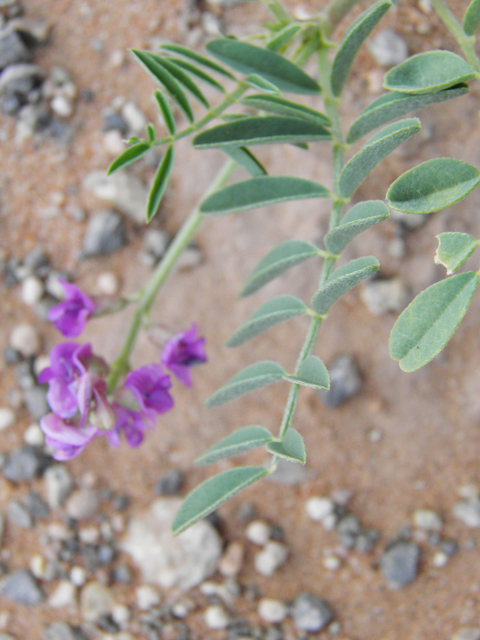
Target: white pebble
[
  {"x": 78, "y": 576},
  {"x": 25, "y": 339},
  {"x": 271, "y": 558},
  {"x": 34, "y": 436},
  {"x": 107, "y": 283},
  {"x": 41, "y": 363},
  {"x": 32, "y": 290},
  {"x": 64, "y": 595},
  {"x": 133, "y": 117},
  {"x": 332, "y": 563},
  {"x": 301, "y": 13},
  {"x": 427, "y": 519},
  {"x": 113, "y": 142},
  {"x": 258, "y": 532},
  {"x": 469, "y": 491},
  {"x": 330, "y": 522},
  {"x": 89, "y": 535},
  {"x": 147, "y": 597},
  {"x": 121, "y": 614},
  {"x": 216, "y": 617},
  {"x": 62, "y": 106},
  {"x": 7, "y": 418},
  {"x": 37, "y": 565},
  {"x": 272, "y": 610},
  {"x": 440, "y": 559},
  {"x": 425, "y": 6},
  {"x": 117, "y": 58},
  {"x": 319, "y": 508}
]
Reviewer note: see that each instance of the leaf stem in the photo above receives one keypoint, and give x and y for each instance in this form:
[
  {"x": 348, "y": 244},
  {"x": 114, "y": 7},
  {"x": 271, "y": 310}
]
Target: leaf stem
[
  {"x": 149, "y": 293},
  {"x": 464, "y": 42}
]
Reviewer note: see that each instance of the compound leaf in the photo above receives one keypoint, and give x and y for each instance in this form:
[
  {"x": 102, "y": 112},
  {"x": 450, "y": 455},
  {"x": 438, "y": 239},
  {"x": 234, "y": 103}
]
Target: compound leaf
[
  {"x": 427, "y": 324},
  {"x": 165, "y": 111},
  {"x": 291, "y": 447},
  {"x": 427, "y": 72},
  {"x": 245, "y": 158},
  {"x": 360, "y": 217},
  {"x": 312, "y": 373},
  {"x": 256, "y": 376},
  {"x": 353, "y": 40},
  {"x": 179, "y": 74},
  {"x": 159, "y": 183},
  {"x": 256, "y": 81},
  {"x": 283, "y": 107},
  {"x": 433, "y": 185},
  {"x": 131, "y": 154},
  {"x": 471, "y": 19},
  {"x": 212, "y": 493},
  {"x": 453, "y": 249},
  {"x": 197, "y": 57},
  {"x": 342, "y": 280},
  {"x": 191, "y": 68},
  {"x": 283, "y": 38},
  {"x": 238, "y": 442}
]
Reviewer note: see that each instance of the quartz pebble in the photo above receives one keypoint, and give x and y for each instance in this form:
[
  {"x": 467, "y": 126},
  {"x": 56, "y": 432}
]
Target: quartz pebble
[
  {"x": 82, "y": 504},
  {"x": 25, "y": 339},
  {"x": 318, "y": 508},
  {"x": 271, "y": 558},
  {"x": 64, "y": 595},
  {"x": 78, "y": 576},
  {"x": 272, "y": 610},
  {"x": 427, "y": 520},
  {"x": 388, "y": 48},
  {"x": 107, "y": 283},
  {"x": 96, "y": 601},
  {"x": 258, "y": 532},
  {"x": 216, "y": 617},
  {"x": 59, "y": 485},
  {"x": 232, "y": 559},
  {"x": 440, "y": 559},
  {"x": 147, "y": 597},
  {"x": 32, "y": 290},
  {"x": 7, "y": 418},
  {"x": 468, "y": 512}
]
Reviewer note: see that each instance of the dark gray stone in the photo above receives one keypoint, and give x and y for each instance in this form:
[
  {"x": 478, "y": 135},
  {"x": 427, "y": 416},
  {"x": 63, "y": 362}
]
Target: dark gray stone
[
  {"x": 170, "y": 484},
  {"x": 120, "y": 503},
  {"x": 106, "y": 553},
  {"x": 36, "y": 505},
  {"x": 114, "y": 120},
  {"x": 450, "y": 547},
  {"x": 11, "y": 355},
  {"x": 105, "y": 233},
  {"x": 20, "y": 79},
  {"x": 11, "y": 105},
  {"x": 345, "y": 381},
  {"x": 63, "y": 631},
  {"x": 366, "y": 541},
  {"x": 274, "y": 633},
  {"x": 36, "y": 261},
  {"x": 26, "y": 463},
  {"x": 21, "y": 587},
  {"x": 311, "y": 613},
  {"x": 12, "y": 49},
  {"x": 348, "y": 531},
  {"x": 19, "y": 515},
  {"x": 35, "y": 400},
  {"x": 399, "y": 564}
]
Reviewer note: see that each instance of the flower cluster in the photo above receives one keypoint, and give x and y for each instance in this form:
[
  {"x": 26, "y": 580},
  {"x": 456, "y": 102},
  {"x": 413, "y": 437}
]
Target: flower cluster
[{"x": 82, "y": 408}]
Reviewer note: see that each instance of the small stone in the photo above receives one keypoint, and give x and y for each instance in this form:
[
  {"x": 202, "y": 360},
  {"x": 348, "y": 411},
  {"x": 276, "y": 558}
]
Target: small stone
[
  {"x": 134, "y": 118},
  {"x": 427, "y": 520},
  {"x": 388, "y": 48},
  {"x": 21, "y": 587},
  {"x": 348, "y": 531},
  {"x": 440, "y": 559},
  {"x": 366, "y": 540},
  {"x": 25, "y": 463},
  {"x": 34, "y": 32},
  {"x": 450, "y": 547},
  {"x": 122, "y": 190},
  {"x": 232, "y": 559},
  {"x": 258, "y": 532},
  {"x": 399, "y": 564},
  {"x": 289, "y": 473},
  {"x": 108, "y": 284},
  {"x": 63, "y": 596},
  {"x": 211, "y": 24},
  {"x": 121, "y": 614},
  {"x": 467, "y": 633},
  {"x": 96, "y": 600},
  {"x": 122, "y": 574},
  {"x": 106, "y": 233},
  {"x": 190, "y": 257},
  {"x": 78, "y": 576},
  {"x": 468, "y": 512},
  {"x": 35, "y": 400},
  {"x": 384, "y": 295},
  {"x": 271, "y": 558},
  {"x": 54, "y": 286},
  {"x": 345, "y": 381},
  {"x": 82, "y": 504},
  {"x": 216, "y": 617},
  {"x": 36, "y": 506},
  {"x": 147, "y": 597},
  {"x": 19, "y": 515},
  {"x": 59, "y": 485},
  {"x": 37, "y": 566},
  {"x": 25, "y": 339},
  {"x": 171, "y": 483},
  {"x": 407, "y": 220},
  {"x": 332, "y": 563},
  {"x": 12, "y": 49},
  {"x": 272, "y": 610},
  {"x": 34, "y": 436},
  {"x": 318, "y": 508},
  {"x": 113, "y": 142},
  {"x": 63, "y": 631},
  {"x": 32, "y": 290},
  {"x": 311, "y": 613},
  {"x": 156, "y": 242},
  {"x": 7, "y": 418},
  {"x": 20, "y": 79}
]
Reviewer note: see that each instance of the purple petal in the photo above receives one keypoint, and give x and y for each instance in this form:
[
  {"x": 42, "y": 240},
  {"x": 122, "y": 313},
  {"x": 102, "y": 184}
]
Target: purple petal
[
  {"x": 70, "y": 316},
  {"x": 183, "y": 351},
  {"x": 150, "y": 387}
]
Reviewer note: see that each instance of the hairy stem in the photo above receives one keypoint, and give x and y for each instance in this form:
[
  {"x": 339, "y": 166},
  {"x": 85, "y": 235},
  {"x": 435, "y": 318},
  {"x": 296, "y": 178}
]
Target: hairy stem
[
  {"x": 464, "y": 42},
  {"x": 149, "y": 292}
]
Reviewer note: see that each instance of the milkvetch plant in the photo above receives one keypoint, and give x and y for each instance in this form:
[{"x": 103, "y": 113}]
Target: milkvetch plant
[{"x": 257, "y": 85}]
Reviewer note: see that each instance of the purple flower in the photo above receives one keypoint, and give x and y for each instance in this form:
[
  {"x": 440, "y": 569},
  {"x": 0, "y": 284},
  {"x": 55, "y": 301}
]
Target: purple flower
[
  {"x": 93, "y": 403},
  {"x": 183, "y": 351},
  {"x": 149, "y": 386},
  {"x": 132, "y": 423},
  {"x": 68, "y": 438},
  {"x": 71, "y": 315}
]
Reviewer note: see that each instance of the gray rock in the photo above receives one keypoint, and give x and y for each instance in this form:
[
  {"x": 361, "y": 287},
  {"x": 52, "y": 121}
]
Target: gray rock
[
  {"x": 12, "y": 49},
  {"x": 19, "y": 515},
  {"x": 382, "y": 295},
  {"x": 408, "y": 220},
  {"x": 33, "y": 32},
  {"x": 82, "y": 504},
  {"x": 96, "y": 601},
  {"x": 20, "y": 79},
  {"x": 348, "y": 530},
  {"x": 272, "y": 557},
  {"x": 59, "y": 485},
  {"x": 366, "y": 541},
  {"x": 345, "y": 381},
  {"x": 35, "y": 400},
  {"x": 63, "y": 631},
  {"x": 122, "y": 190},
  {"x": 311, "y": 613},
  {"x": 184, "y": 561},
  {"x": 36, "y": 505},
  {"x": 21, "y": 587},
  {"x": 171, "y": 483},
  {"x": 388, "y": 48},
  {"x": 289, "y": 473},
  {"x": 26, "y": 463},
  {"x": 156, "y": 242},
  {"x": 32, "y": 118},
  {"x": 105, "y": 233},
  {"x": 399, "y": 564},
  {"x": 468, "y": 512}
]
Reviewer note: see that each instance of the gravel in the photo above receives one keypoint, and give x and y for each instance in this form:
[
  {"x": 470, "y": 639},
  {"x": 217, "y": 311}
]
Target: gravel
[
  {"x": 35, "y": 400},
  {"x": 345, "y": 381},
  {"x": 384, "y": 295},
  {"x": 21, "y": 587},
  {"x": 36, "y": 505},
  {"x": 26, "y": 340},
  {"x": 427, "y": 520},
  {"x": 64, "y": 595},
  {"x": 171, "y": 483},
  {"x": 19, "y": 515},
  {"x": 63, "y": 631},
  {"x": 122, "y": 190},
  {"x": 271, "y": 558},
  {"x": 59, "y": 485},
  {"x": 468, "y": 512},
  {"x": 7, "y": 418},
  {"x": 399, "y": 564},
  {"x": 318, "y": 508},
  {"x": 272, "y": 610},
  {"x": 258, "y": 532},
  {"x": 106, "y": 233},
  {"x": 12, "y": 49},
  {"x": 388, "y": 48},
  {"x": 216, "y": 617},
  {"x": 147, "y": 597},
  {"x": 25, "y": 463},
  {"x": 96, "y": 601},
  {"x": 311, "y": 613}
]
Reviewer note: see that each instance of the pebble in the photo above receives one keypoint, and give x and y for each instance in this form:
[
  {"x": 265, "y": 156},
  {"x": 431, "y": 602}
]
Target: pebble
[
  {"x": 106, "y": 233},
  {"x": 408, "y": 220},
  {"x": 332, "y": 563},
  {"x": 108, "y": 284},
  {"x": 96, "y": 601},
  {"x": 121, "y": 614},
  {"x": 183, "y": 561},
  {"x": 26, "y": 340},
  {"x": 113, "y": 142},
  {"x": 19, "y": 515},
  {"x": 232, "y": 560},
  {"x": 54, "y": 286},
  {"x": 171, "y": 483},
  {"x": 21, "y": 587},
  {"x": 62, "y": 106},
  {"x": 272, "y": 610},
  {"x": 399, "y": 564},
  {"x": 20, "y": 79},
  {"x": 468, "y": 512},
  {"x": 427, "y": 520},
  {"x": 348, "y": 531},
  {"x": 384, "y": 295},
  {"x": 25, "y": 463},
  {"x": 388, "y": 48},
  {"x": 311, "y": 613},
  {"x": 271, "y": 558},
  {"x": 59, "y": 485},
  {"x": 147, "y": 597},
  {"x": 36, "y": 505},
  {"x": 467, "y": 633},
  {"x": 345, "y": 381},
  {"x": 64, "y": 595},
  {"x": 134, "y": 118},
  {"x": 12, "y": 49},
  {"x": 35, "y": 400},
  {"x": 32, "y": 290},
  {"x": 78, "y": 576},
  {"x": 318, "y": 508},
  {"x": 7, "y": 418},
  {"x": 190, "y": 257},
  {"x": 258, "y": 532},
  {"x": 289, "y": 473},
  {"x": 33, "y": 31},
  {"x": 82, "y": 504},
  {"x": 122, "y": 574},
  {"x": 122, "y": 190},
  {"x": 156, "y": 242},
  {"x": 440, "y": 559},
  {"x": 216, "y": 617},
  {"x": 63, "y": 631}
]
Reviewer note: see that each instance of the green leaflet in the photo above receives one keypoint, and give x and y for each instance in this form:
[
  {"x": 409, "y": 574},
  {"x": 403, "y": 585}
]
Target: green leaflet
[
  {"x": 245, "y": 158},
  {"x": 212, "y": 493},
  {"x": 197, "y": 57},
  {"x": 427, "y": 72},
  {"x": 352, "y": 41},
  {"x": 131, "y": 154},
  {"x": 270, "y": 314},
  {"x": 259, "y": 192},
  {"x": 312, "y": 373},
  {"x": 374, "y": 151},
  {"x": 180, "y": 75},
  {"x": 151, "y": 132},
  {"x": 433, "y": 185},
  {"x": 282, "y": 107},
  {"x": 166, "y": 79},
  {"x": 165, "y": 111},
  {"x": 256, "y": 376},
  {"x": 393, "y": 105},
  {"x": 454, "y": 249},
  {"x": 246, "y": 58},
  {"x": 238, "y": 442},
  {"x": 159, "y": 183},
  {"x": 342, "y": 280},
  {"x": 277, "y": 261},
  {"x": 191, "y": 68},
  {"x": 471, "y": 19},
  {"x": 428, "y": 323},
  {"x": 291, "y": 447},
  {"x": 257, "y": 82},
  {"x": 261, "y": 130},
  {"x": 283, "y": 38},
  {"x": 360, "y": 217}
]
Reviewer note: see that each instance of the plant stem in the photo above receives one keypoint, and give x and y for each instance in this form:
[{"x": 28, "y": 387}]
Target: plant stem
[
  {"x": 464, "y": 42},
  {"x": 149, "y": 293}
]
